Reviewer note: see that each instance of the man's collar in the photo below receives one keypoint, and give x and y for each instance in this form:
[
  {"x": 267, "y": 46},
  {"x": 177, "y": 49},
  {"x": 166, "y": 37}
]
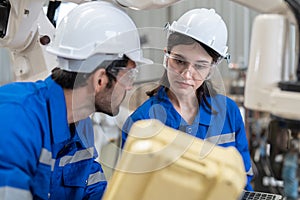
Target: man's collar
[{"x": 58, "y": 111}]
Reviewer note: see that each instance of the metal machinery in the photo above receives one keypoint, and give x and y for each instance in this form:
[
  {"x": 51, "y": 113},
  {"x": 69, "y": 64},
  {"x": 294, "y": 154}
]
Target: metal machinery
[
  {"x": 272, "y": 78},
  {"x": 272, "y": 86}
]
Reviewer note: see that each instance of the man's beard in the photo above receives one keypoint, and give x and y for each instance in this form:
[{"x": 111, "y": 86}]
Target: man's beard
[
  {"x": 104, "y": 103},
  {"x": 107, "y": 111}
]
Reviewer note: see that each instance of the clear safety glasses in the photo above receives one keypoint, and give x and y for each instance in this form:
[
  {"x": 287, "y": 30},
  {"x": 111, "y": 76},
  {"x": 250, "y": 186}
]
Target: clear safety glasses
[
  {"x": 198, "y": 70},
  {"x": 125, "y": 76}
]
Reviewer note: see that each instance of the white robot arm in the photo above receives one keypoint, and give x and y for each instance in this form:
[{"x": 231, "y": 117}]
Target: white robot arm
[
  {"x": 24, "y": 31},
  {"x": 272, "y": 81}
]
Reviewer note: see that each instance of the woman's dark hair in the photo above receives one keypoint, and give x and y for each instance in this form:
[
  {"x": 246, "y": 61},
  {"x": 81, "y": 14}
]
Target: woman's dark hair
[
  {"x": 176, "y": 38},
  {"x": 73, "y": 80},
  {"x": 206, "y": 89}
]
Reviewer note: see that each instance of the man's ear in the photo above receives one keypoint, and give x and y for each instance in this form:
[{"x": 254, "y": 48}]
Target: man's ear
[{"x": 99, "y": 79}]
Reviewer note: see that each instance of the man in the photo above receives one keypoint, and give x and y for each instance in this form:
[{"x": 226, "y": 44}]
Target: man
[{"x": 46, "y": 138}]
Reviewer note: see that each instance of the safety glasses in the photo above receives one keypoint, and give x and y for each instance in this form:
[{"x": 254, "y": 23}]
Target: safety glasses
[
  {"x": 125, "y": 76},
  {"x": 199, "y": 71}
]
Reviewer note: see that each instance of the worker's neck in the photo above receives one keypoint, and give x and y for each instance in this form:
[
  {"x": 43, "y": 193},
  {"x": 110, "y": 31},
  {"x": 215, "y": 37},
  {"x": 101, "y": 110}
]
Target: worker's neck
[{"x": 80, "y": 104}]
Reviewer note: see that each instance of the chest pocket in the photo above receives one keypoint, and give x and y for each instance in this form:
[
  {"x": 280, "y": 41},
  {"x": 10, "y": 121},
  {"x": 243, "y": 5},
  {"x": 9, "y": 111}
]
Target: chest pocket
[{"x": 76, "y": 174}]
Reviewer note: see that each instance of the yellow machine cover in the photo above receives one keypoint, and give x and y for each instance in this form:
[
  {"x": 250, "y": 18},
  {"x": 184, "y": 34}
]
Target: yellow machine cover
[{"x": 160, "y": 163}]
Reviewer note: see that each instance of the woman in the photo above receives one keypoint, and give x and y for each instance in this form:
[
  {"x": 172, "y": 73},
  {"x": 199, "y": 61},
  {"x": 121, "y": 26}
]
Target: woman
[{"x": 186, "y": 99}]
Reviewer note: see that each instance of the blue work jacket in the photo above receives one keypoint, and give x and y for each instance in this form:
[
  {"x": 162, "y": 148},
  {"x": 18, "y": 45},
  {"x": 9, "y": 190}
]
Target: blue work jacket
[
  {"x": 226, "y": 128},
  {"x": 40, "y": 158}
]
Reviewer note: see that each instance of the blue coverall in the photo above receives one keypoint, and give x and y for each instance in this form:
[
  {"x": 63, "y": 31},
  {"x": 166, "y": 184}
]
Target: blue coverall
[
  {"x": 40, "y": 158},
  {"x": 226, "y": 128}
]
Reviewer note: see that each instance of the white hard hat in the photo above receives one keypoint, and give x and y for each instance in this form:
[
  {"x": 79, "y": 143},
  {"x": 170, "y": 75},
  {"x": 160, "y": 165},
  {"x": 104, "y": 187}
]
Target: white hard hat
[
  {"x": 96, "y": 28},
  {"x": 205, "y": 26}
]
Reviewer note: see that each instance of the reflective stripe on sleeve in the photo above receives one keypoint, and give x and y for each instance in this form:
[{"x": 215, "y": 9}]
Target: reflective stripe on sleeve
[
  {"x": 95, "y": 178},
  {"x": 222, "y": 139},
  {"x": 78, "y": 156},
  {"x": 8, "y": 193},
  {"x": 46, "y": 158}
]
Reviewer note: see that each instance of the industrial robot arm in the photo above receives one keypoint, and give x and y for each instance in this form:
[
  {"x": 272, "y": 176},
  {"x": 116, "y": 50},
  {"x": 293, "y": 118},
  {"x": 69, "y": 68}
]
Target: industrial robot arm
[
  {"x": 272, "y": 82},
  {"x": 24, "y": 31}
]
